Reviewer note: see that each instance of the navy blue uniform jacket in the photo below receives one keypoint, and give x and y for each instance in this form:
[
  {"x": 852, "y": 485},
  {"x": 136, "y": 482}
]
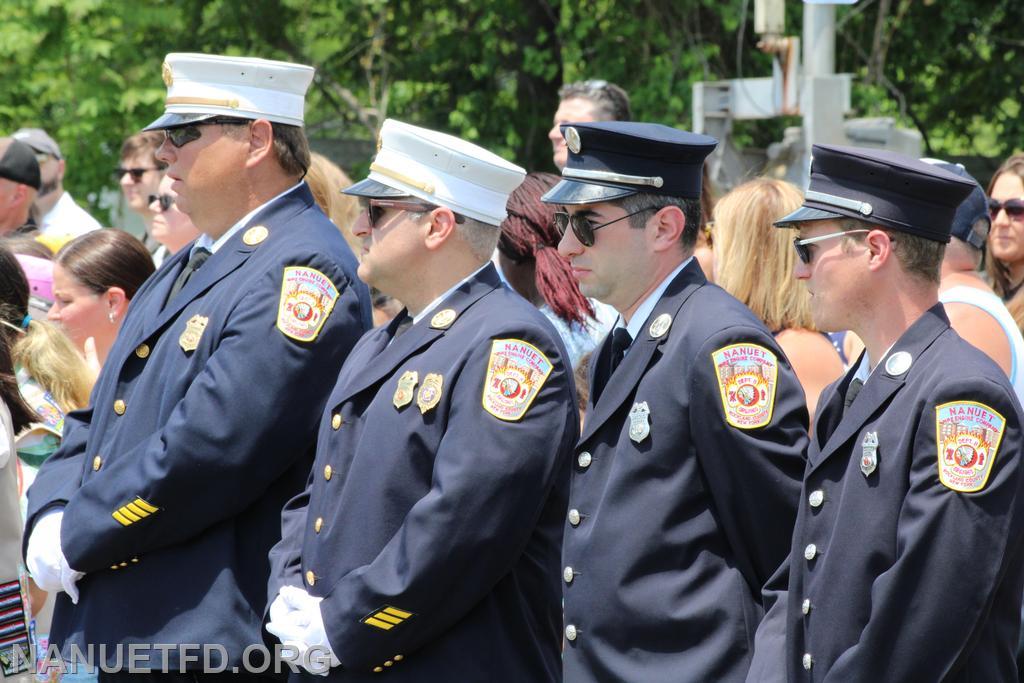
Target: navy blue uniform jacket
[
  {"x": 672, "y": 534},
  {"x": 216, "y": 439},
  {"x": 430, "y": 527},
  {"x": 909, "y": 579}
]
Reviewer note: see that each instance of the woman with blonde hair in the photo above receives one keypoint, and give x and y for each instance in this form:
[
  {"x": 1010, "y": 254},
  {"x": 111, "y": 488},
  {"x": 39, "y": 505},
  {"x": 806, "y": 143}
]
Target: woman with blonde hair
[
  {"x": 1005, "y": 261},
  {"x": 326, "y": 181},
  {"x": 754, "y": 262}
]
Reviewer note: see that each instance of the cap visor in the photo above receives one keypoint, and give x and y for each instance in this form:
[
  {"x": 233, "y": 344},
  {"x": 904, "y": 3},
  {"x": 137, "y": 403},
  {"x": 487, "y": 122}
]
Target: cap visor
[
  {"x": 805, "y": 213},
  {"x": 575, "y": 192},
  {"x": 172, "y": 120},
  {"x": 373, "y": 189}
]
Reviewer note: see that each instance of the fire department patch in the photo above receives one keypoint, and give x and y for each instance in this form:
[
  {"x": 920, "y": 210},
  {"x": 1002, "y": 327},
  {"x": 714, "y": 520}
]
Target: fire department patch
[
  {"x": 516, "y": 372},
  {"x": 968, "y": 436},
  {"x": 747, "y": 375},
  {"x": 307, "y": 298}
]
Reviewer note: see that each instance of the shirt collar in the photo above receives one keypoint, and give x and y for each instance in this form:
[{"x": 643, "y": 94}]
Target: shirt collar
[
  {"x": 204, "y": 241},
  {"x": 865, "y": 368},
  {"x": 643, "y": 311},
  {"x": 436, "y": 302}
]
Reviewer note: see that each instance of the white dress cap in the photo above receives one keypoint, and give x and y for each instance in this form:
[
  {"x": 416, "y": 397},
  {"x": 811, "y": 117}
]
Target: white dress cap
[
  {"x": 200, "y": 86},
  {"x": 445, "y": 170}
]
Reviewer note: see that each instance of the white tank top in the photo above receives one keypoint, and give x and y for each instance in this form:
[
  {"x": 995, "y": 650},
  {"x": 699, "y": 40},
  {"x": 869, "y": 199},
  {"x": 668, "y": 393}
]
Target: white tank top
[{"x": 994, "y": 306}]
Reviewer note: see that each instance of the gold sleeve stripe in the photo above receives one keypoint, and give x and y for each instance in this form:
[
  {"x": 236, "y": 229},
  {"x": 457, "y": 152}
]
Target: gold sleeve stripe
[
  {"x": 379, "y": 624},
  {"x": 129, "y": 514},
  {"x": 121, "y": 518},
  {"x": 137, "y": 509},
  {"x": 145, "y": 506},
  {"x": 394, "y": 611},
  {"x": 388, "y": 618}
]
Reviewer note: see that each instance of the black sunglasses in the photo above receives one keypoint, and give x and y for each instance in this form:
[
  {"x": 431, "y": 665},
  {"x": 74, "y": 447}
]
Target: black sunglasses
[
  {"x": 1014, "y": 207},
  {"x": 583, "y": 229},
  {"x": 375, "y": 208},
  {"x": 182, "y": 135},
  {"x": 136, "y": 173},
  {"x": 166, "y": 201}
]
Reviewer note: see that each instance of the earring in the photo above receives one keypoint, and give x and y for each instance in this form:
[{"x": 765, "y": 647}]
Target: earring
[{"x": 110, "y": 317}]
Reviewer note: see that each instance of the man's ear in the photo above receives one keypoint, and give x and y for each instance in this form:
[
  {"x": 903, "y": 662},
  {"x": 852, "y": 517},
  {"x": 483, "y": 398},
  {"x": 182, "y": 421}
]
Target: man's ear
[
  {"x": 668, "y": 223},
  {"x": 441, "y": 227},
  {"x": 261, "y": 141},
  {"x": 879, "y": 246}
]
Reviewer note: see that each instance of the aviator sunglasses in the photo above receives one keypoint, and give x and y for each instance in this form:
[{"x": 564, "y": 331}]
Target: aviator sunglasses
[
  {"x": 1014, "y": 208},
  {"x": 801, "y": 245},
  {"x": 135, "y": 173},
  {"x": 182, "y": 135},
  {"x": 375, "y": 208},
  {"x": 583, "y": 229},
  {"x": 166, "y": 201}
]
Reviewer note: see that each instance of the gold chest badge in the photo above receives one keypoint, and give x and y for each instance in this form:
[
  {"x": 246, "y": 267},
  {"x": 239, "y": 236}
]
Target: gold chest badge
[
  {"x": 194, "y": 328},
  {"x": 430, "y": 392},
  {"x": 406, "y": 387}
]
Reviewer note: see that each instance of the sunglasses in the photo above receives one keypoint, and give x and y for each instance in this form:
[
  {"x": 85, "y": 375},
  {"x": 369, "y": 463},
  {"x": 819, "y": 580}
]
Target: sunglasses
[
  {"x": 1014, "y": 208},
  {"x": 375, "y": 209},
  {"x": 135, "y": 173},
  {"x": 801, "y": 244},
  {"x": 166, "y": 201},
  {"x": 583, "y": 229},
  {"x": 182, "y": 135}
]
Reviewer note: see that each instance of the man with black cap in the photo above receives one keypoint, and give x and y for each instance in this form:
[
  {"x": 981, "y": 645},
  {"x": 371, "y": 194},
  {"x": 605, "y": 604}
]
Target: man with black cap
[
  {"x": 975, "y": 311},
  {"x": 426, "y": 544},
  {"x": 156, "y": 514},
  {"x": 59, "y": 215},
  {"x": 686, "y": 475},
  {"x": 906, "y": 563},
  {"x": 19, "y": 184}
]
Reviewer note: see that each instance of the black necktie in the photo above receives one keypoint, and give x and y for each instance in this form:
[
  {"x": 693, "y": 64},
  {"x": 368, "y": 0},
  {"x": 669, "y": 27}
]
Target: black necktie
[
  {"x": 195, "y": 262},
  {"x": 403, "y": 326},
  {"x": 851, "y": 392},
  {"x": 621, "y": 340}
]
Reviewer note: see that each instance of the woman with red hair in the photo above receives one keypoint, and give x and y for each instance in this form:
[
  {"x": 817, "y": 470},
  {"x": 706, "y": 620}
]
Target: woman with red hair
[{"x": 529, "y": 259}]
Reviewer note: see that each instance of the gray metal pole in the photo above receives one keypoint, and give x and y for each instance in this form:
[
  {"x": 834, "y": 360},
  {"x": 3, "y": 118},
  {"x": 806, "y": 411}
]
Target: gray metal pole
[{"x": 819, "y": 40}]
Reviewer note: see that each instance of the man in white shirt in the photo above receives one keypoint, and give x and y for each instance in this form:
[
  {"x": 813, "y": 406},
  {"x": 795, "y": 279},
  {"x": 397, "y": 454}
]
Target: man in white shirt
[{"x": 59, "y": 215}]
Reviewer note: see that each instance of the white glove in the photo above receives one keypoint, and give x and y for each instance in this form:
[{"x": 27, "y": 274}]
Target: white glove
[
  {"x": 45, "y": 558},
  {"x": 296, "y": 620}
]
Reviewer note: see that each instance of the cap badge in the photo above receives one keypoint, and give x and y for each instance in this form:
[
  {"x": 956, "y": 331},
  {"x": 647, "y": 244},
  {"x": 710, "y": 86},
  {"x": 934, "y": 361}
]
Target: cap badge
[
  {"x": 660, "y": 325},
  {"x": 168, "y": 75},
  {"x": 572, "y": 140},
  {"x": 443, "y": 319},
  {"x": 189, "y": 339},
  {"x": 430, "y": 392},
  {"x": 898, "y": 363},
  {"x": 406, "y": 386},
  {"x": 869, "y": 453},
  {"x": 639, "y": 422},
  {"x": 255, "y": 235}
]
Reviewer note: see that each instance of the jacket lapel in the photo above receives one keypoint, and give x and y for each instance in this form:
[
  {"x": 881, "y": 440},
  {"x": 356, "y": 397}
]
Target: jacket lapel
[
  {"x": 631, "y": 370},
  {"x": 386, "y": 358},
  {"x": 881, "y": 385}
]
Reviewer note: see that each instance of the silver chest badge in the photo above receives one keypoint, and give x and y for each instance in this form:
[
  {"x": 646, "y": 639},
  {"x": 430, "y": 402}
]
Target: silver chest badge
[
  {"x": 869, "y": 453},
  {"x": 639, "y": 422}
]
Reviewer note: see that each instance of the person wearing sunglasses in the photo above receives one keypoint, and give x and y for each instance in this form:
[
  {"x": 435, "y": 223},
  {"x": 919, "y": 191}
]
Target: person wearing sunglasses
[
  {"x": 170, "y": 227},
  {"x": 687, "y": 472},
  {"x": 155, "y": 516},
  {"x": 914, "y": 474},
  {"x": 427, "y": 542},
  {"x": 138, "y": 173},
  {"x": 1005, "y": 262}
]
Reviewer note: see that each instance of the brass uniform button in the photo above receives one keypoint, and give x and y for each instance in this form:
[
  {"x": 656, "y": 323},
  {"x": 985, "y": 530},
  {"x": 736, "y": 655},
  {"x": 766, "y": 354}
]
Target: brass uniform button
[
  {"x": 120, "y": 407},
  {"x": 142, "y": 351},
  {"x": 389, "y": 663},
  {"x": 97, "y": 463},
  {"x": 336, "y": 421},
  {"x": 319, "y": 524},
  {"x": 310, "y": 577},
  {"x": 398, "y": 658},
  {"x": 377, "y": 669},
  {"x": 328, "y": 472}
]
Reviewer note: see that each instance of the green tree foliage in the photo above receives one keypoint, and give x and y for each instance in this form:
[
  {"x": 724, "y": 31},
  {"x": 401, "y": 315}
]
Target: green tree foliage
[{"x": 488, "y": 70}]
